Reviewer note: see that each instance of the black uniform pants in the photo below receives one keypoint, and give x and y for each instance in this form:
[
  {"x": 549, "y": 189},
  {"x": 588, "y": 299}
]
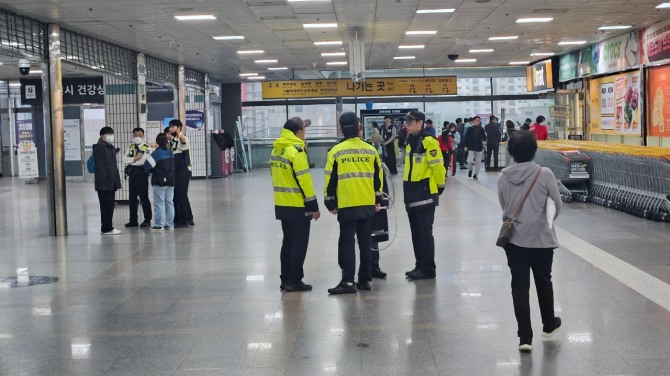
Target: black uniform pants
[
  {"x": 492, "y": 149},
  {"x": 375, "y": 260},
  {"x": 421, "y": 224},
  {"x": 139, "y": 186},
  {"x": 346, "y": 250},
  {"x": 461, "y": 157},
  {"x": 181, "y": 205},
  {"x": 294, "y": 249},
  {"x": 390, "y": 158},
  {"x": 521, "y": 261},
  {"x": 106, "y": 199}
]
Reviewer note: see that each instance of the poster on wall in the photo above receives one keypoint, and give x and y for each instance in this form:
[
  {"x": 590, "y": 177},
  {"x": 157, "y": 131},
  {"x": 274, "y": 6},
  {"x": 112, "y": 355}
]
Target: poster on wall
[
  {"x": 655, "y": 42},
  {"x": 153, "y": 129},
  {"x": 27, "y": 149},
  {"x": 615, "y": 102},
  {"x": 659, "y": 102},
  {"x": 195, "y": 119},
  {"x": 72, "y": 139},
  {"x": 617, "y": 54}
]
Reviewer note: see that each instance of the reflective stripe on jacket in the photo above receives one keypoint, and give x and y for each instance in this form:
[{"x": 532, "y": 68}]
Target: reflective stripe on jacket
[
  {"x": 424, "y": 175},
  {"x": 294, "y": 194},
  {"x": 353, "y": 179}
]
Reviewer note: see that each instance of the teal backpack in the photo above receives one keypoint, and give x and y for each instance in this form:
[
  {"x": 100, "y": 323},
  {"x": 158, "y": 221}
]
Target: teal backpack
[{"x": 90, "y": 164}]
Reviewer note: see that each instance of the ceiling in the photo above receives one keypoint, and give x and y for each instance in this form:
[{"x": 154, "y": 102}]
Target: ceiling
[{"x": 276, "y": 27}]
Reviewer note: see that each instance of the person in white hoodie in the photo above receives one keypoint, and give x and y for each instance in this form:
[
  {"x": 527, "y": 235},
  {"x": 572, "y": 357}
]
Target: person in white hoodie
[{"x": 533, "y": 235}]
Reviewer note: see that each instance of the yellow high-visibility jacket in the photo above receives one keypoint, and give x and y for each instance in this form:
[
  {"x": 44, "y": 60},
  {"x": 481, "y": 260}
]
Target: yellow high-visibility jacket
[
  {"x": 424, "y": 175},
  {"x": 292, "y": 182},
  {"x": 353, "y": 179}
]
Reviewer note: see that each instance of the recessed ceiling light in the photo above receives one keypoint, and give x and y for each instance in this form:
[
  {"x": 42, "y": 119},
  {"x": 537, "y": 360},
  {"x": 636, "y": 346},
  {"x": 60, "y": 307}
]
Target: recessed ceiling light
[
  {"x": 421, "y": 32},
  {"x": 663, "y": 5},
  {"x": 14, "y": 84},
  {"x": 250, "y": 52},
  {"x": 256, "y": 78},
  {"x": 229, "y": 37},
  {"x": 195, "y": 17},
  {"x": 327, "y": 54},
  {"x": 336, "y": 63},
  {"x": 535, "y": 19},
  {"x": 483, "y": 50},
  {"x": 519, "y": 62},
  {"x": 616, "y": 27},
  {"x": 404, "y": 57},
  {"x": 328, "y": 43},
  {"x": 542, "y": 54},
  {"x": 35, "y": 72},
  {"x": 319, "y": 25},
  {"x": 427, "y": 11},
  {"x": 574, "y": 42},
  {"x": 411, "y": 46},
  {"x": 465, "y": 60},
  {"x": 511, "y": 37},
  {"x": 266, "y": 61},
  {"x": 248, "y": 74},
  {"x": 278, "y": 68}
]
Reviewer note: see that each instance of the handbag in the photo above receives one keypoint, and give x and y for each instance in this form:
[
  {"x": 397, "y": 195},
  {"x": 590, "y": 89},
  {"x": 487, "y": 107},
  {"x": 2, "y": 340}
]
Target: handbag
[{"x": 506, "y": 230}]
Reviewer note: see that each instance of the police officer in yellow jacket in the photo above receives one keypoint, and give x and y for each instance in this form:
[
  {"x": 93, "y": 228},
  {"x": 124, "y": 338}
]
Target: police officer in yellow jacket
[
  {"x": 423, "y": 182},
  {"x": 295, "y": 202},
  {"x": 353, "y": 192}
]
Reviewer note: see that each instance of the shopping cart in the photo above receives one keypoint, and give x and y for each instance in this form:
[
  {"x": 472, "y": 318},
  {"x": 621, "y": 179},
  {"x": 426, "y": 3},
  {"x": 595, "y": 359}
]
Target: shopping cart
[{"x": 571, "y": 168}]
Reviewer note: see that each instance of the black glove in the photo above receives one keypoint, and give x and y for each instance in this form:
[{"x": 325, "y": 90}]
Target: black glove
[{"x": 439, "y": 191}]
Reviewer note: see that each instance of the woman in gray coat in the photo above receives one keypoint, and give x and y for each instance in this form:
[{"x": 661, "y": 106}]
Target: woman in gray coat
[{"x": 533, "y": 236}]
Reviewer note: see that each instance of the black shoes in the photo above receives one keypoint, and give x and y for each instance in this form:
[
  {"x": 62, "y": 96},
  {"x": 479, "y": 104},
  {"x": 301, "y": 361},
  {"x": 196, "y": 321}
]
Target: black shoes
[
  {"x": 378, "y": 274},
  {"x": 363, "y": 286},
  {"x": 525, "y": 344},
  {"x": 181, "y": 225},
  {"x": 282, "y": 285},
  {"x": 474, "y": 177},
  {"x": 548, "y": 332},
  {"x": 470, "y": 174},
  {"x": 191, "y": 223},
  {"x": 421, "y": 275},
  {"x": 412, "y": 271},
  {"x": 343, "y": 288},
  {"x": 132, "y": 224},
  {"x": 300, "y": 286},
  {"x": 145, "y": 224}
]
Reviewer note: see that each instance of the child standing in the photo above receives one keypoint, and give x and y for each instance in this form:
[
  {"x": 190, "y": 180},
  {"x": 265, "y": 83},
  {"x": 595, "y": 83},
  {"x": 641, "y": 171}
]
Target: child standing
[{"x": 161, "y": 165}]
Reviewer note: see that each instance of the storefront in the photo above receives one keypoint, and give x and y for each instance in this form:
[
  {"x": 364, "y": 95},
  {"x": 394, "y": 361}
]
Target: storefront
[{"x": 655, "y": 54}]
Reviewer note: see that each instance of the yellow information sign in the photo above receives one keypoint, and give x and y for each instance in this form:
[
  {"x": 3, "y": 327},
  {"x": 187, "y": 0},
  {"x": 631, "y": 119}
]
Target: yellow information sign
[{"x": 371, "y": 87}]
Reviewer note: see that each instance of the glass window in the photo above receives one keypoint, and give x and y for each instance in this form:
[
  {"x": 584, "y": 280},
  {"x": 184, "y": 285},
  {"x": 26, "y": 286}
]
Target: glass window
[
  {"x": 323, "y": 117},
  {"x": 509, "y": 86},
  {"x": 474, "y": 86},
  {"x": 519, "y": 110},
  {"x": 263, "y": 121},
  {"x": 449, "y": 111}
]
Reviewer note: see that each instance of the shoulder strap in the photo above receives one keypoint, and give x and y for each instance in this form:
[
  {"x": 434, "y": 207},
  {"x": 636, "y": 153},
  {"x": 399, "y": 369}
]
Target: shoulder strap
[{"x": 518, "y": 211}]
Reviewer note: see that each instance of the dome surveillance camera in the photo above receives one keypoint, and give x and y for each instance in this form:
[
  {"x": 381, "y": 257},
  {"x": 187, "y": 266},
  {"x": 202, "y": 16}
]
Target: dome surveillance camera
[
  {"x": 452, "y": 57},
  {"x": 24, "y": 67}
]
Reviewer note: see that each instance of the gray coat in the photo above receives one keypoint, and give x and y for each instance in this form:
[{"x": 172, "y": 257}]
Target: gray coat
[
  {"x": 107, "y": 176},
  {"x": 531, "y": 229}
]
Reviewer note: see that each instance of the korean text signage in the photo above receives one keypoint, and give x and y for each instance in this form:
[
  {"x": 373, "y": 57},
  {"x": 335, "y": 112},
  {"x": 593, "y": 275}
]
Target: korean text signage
[
  {"x": 76, "y": 90},
  {"x": 195, "y": 119},
  {"x": 659, "y": 102},
  {"x": 27, "y": 149},
  {"x": 615, "y": 104},
  {"x": 567, "y": 67},
  {"x": 655, "y": 42},
  {"x": 539, "y": 76},
  {"x": 159, "y": 93},
  {"x": 617, "y": 54},
  {"x": 371, "y": 87}
]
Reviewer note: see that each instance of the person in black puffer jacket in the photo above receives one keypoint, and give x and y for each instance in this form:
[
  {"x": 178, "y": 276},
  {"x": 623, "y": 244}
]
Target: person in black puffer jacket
[{"x": 107, "y": 178}]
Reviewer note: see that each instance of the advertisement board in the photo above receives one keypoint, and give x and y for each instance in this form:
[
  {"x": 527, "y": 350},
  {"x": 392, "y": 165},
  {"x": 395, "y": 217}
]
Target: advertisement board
[
  {"x": 659, "y": 102},
  {"x": 617, "y": 54},
  {"x": 540, "y": 76},
  {"x": 655, "y": 42},
  {"x": 27, "y": 149},
  {"x": 615, "y": 104}
]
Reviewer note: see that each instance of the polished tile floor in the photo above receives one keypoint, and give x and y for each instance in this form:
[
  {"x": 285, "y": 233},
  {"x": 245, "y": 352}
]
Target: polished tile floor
[{"x": 206, "y": 300}]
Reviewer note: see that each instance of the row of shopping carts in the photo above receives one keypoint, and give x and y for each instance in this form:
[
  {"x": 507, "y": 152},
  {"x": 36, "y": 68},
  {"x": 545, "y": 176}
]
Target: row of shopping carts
[{"x": 633, "y": 179}]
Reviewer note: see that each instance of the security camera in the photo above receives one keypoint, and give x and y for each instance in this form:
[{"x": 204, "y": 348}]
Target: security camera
[
  {"x": 24, "y": 67},
  {"x": 453, "y": 57}
]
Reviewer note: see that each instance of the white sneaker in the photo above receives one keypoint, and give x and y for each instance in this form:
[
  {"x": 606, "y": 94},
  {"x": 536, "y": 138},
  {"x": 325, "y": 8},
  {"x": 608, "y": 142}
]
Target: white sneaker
[{"x": 113, "y": 232}]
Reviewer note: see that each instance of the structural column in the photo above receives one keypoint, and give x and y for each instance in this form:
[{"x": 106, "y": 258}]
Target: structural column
[
  {"x": 142, "y": 93},
  {"x": 181, "y": 100},
  {"x": 208, "y": 127},
  {"x": 55, "y": 140}
]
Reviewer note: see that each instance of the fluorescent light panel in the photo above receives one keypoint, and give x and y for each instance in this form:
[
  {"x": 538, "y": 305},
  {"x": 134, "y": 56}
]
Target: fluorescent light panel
[
  {"x": 336, "y": 63},
  {"x": 465, "y": 60},
  {"x": 248, "y": 74},
  {"x": 404, "y": 57},
  {"x": 305, "y": 1},
  {"x": 535, "y": 19},
  {"x": 519, "y": 62},
  {"x": 319, "y": 25},
  {"x": 328, "y": 54},
  {"x": 328, "y": 43},
  {"x": 616, "y": 27},
  {"x": 428, "y": 11},
  {"x": 256, "y": 78},
  {"x": 663, "y": 6},
  {"x": 483, "y": 50},
  {"x": 229, "y": 37},
  {"x": 411, "y": 46},
  {"x": 511, "y": 37},
  {"x": 542, "y": 54},
  {"x": 574, "y": 42},
  {"x": 266, "y": 61},
  {"x": 195, "y": 17},
  {"x": 278, "y": 68},
  {"x": 421, "y": 32},
  {"x": 250, "y": 52}
]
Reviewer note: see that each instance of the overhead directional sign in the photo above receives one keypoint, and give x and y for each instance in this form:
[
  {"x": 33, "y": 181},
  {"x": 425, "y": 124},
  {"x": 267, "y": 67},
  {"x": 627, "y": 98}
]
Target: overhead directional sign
[{"x": 371, "y": 87}]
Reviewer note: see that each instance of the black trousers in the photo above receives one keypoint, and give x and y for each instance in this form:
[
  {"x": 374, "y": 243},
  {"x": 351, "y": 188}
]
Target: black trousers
[
  {"x": 294, "y": 249},
  {"x": 375, "y": 260},
  {"x": 390, "y": 158},
  {"x": 461, "y": 157},
  {"x": 521, "y": 261},
  {"x": 446, "y": 155},
  {"x": 181, "y": 205},
  {"x": 346, "y": 250},
  {"x": 492, "y": 149},
  {"x": 421, "y": 224},
  {"x": 106, "y": 199},
  {"x": 139, "y": 186}
]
